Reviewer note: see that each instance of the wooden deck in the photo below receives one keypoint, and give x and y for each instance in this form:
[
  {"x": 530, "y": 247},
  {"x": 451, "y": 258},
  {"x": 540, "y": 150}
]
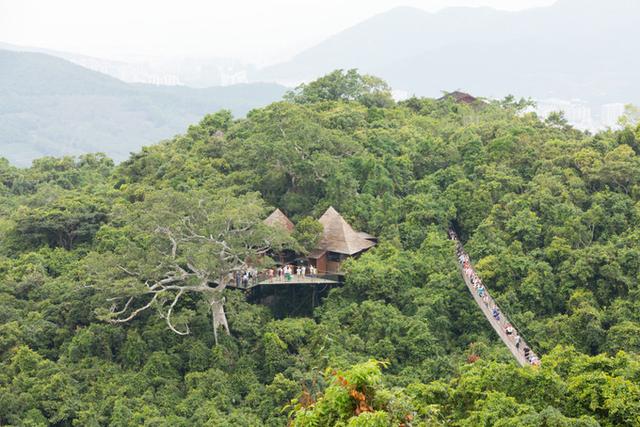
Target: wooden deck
[
  {"x": 295, "y": 280},
  {"x": 281, "y": 281}
]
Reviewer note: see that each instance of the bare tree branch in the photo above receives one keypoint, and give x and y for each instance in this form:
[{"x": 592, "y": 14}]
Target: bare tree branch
[
  {"x": 126, "y": 307},
  {"x": 174, "y": 244},
  {"x": 135, "y": 312},
  {"x": 168, "y": 316},
  {"x": 130, "y": 273}
]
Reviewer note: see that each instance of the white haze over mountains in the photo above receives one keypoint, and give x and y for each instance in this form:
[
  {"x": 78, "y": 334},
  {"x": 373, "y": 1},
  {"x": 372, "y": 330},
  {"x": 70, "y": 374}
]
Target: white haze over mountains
[
  {"x": 570, "y": 55},
  {"x": 192, "y": 42},
  {"x": 177, "y": 71},
  {"x": 252, "y": 31}
]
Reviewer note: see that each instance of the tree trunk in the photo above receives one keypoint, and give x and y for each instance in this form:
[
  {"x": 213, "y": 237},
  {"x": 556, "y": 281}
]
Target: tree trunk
[{"x": 218, "y": 316}]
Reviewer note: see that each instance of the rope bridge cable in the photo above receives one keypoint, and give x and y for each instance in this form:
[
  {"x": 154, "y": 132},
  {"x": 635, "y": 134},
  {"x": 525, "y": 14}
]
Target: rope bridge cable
[{"x": 488, "y": 306}]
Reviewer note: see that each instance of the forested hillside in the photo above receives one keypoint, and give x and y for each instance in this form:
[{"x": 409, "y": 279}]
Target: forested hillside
[{"x": 105, "y": 272}]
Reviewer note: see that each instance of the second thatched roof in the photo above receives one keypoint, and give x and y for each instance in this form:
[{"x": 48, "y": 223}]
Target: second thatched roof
[{"x": 279, "y": 219}]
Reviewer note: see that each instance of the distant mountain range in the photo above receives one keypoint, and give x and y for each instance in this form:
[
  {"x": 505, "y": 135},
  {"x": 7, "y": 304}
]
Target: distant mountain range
[
  {"x": 50, "y": 106},
  {"x": 572, "y": 49}
]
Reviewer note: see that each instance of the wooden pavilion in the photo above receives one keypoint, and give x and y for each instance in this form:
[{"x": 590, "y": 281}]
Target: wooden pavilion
[
  {"x": 459, "y": 97},
  {"x": 338, "y": 242}
]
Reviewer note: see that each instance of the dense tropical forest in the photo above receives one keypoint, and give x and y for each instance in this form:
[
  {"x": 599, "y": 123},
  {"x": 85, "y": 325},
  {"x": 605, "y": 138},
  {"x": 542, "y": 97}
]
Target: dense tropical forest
[{"x": 111, "y": 275}]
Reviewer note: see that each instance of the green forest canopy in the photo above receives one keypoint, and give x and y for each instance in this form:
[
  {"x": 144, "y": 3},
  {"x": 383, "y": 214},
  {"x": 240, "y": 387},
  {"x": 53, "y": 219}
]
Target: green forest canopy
[{"x": 549, "y": 214}]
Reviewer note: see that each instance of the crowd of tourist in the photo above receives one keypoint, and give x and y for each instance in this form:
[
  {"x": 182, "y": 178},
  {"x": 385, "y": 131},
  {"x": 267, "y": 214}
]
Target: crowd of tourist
[
  {"x": 287, "y": 272},
  {"x": 277, "y": 274},
  {"x": 478, "y": 286}
]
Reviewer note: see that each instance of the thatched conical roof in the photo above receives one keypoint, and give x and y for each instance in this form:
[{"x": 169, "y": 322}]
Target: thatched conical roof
[
  {"x": 279, "y": 219},
  {"x": 366, "y": 235},
  {"x": 338, "y": 236}
]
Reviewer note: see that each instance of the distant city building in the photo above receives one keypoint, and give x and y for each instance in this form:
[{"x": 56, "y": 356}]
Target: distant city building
[
  {"x": 132, "y": 73},
  {"x": 178, "y": 72},
  {"x": 578, "y": 113},
  {"x": 232, "y": 76},
  {"x": 610, "y": 114}
]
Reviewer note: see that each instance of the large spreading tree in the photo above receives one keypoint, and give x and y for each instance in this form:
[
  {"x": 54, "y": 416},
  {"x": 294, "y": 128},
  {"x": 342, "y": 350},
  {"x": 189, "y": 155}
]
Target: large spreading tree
[{"x": 172, "y": 244}]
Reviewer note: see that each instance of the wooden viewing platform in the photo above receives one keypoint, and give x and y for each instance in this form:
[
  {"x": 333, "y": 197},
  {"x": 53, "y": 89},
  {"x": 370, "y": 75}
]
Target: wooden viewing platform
[{"x": 282, "y": 281}]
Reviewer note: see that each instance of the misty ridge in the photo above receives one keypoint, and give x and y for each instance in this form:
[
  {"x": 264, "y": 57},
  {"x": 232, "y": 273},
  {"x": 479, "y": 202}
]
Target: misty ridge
[
  {"x": 569, "y": 50},
  {"x": 566, "y": 57},
  {"x": 52, "y": 107}
]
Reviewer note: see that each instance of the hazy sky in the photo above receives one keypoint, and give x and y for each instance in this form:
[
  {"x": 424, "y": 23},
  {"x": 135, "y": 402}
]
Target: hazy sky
[{"x": 256, "y": 31}]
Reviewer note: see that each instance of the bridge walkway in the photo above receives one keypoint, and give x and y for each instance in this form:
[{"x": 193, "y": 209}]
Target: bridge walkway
[{"x": 521, "y": 351}]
